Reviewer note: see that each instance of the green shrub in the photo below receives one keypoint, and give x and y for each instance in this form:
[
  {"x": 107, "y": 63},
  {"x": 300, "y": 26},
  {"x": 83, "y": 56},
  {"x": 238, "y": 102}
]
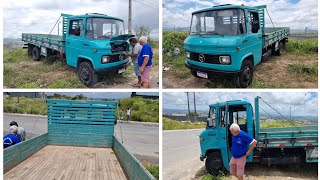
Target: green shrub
[
  {"x": 303, "y": 68},
  {"x": 153, "y": 169},
  {"x": 302, "y": 46},
  {"x": 169, "y": 124},
  {"x": 172, "y": 39}
]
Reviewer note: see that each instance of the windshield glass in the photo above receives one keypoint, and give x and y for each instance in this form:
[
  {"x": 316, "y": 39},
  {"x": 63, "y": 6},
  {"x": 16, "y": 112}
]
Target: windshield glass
[
  {"x": 101, "y": 28},
  {"x": 218, "y": 22}
]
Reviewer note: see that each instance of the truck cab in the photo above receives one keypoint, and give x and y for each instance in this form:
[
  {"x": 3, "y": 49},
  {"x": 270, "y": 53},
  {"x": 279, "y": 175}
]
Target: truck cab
[
  {"x": 225, "y": 39},
  {"x": 215, "y": 140},
  {"x": 94, "y": 44}
]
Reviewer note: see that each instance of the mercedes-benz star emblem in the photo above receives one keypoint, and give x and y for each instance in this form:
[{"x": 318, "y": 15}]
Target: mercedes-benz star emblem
[
  {"x": 201, "y": 58},
  {"x": 120, "y": 57}
]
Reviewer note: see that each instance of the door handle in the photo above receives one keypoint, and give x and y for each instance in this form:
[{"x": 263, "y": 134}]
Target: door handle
[
  {"x": 85, "y": 44},
  {"x": 244, "y": 41}
]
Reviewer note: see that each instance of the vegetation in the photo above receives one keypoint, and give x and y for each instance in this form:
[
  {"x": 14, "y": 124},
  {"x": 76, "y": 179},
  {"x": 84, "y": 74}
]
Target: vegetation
[
  {"x": 153, "y": 169},
  {"x": 169, "y": 124},
  {"x": 280, "y": 124},
  {"x": 211, "y": 177},
  {"x": 303, "y": 68},
  {"x": 302, "y": 46},
  {"x": 142, "y": 110}
]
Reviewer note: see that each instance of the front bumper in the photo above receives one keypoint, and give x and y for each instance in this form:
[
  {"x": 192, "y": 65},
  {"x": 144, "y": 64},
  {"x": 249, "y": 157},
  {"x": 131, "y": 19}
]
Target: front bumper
[
  {"x": 112, "y": 68},
  {"x": 207, "y": 70}
]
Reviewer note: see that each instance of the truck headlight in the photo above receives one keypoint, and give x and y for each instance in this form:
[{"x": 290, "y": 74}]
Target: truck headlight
[
  {"x": 188, "y": 54},
  {"x": 224, "y": 60},
  {"x": 105, "y": 59}
]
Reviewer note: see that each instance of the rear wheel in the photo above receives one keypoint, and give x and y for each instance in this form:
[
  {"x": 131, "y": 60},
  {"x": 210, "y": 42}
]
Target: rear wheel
[
  {"x": 280, "y": 49},
  {"x": 87, "y": 75},
  {"x": 214, "y": 164},
  {"x": 36, "y": 53},
  {"x": 244, "y": 78}
]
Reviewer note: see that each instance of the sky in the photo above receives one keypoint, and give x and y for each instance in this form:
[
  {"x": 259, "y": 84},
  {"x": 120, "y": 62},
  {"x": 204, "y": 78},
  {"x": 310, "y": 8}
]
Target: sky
[
  {"x": 103, "y": 95},
  {"x": 296, "y": 14},
  {"x": 301, "y": 103},
  {"x": 39, "y": 16}
]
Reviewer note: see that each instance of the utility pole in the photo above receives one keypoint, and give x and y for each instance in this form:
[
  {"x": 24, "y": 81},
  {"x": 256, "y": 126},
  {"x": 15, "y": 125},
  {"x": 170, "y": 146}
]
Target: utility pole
[
  {"x": 195, "y": 109},
  {"x": 58, "y": 28},
  {"x": 290, "y": 115},
  {"x": 130, "y": 18},
  {"x": 188, "y": 107}
]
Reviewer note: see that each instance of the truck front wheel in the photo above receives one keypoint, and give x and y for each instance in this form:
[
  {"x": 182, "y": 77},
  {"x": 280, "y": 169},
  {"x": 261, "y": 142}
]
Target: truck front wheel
[
  {"x": 87, "y": 75},
  {"x": 244, "y": 78},
  {"x": 36, "y": 53},
  {"x": 214, "y": 164}
]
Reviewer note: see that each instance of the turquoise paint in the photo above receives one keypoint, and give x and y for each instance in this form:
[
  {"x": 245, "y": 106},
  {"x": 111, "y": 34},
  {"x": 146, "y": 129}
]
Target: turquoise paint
[
  {"x": 215, "y": 138},
  {"x": 249, "y": 43}
]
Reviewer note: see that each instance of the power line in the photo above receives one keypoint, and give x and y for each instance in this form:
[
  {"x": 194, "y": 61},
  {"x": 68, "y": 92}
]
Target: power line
[{"x": 144, "y": 4}]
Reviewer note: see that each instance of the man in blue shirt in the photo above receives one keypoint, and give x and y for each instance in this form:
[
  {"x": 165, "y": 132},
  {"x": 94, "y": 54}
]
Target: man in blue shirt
[
  {"x": 145, "y": 61},
  {"x": 239, "y": 150},
  {"x": 12, "y": 138}
]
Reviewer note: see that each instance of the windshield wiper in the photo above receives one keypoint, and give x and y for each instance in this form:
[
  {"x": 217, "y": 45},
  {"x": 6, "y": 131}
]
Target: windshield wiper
[{"x": 215, "y": 33}]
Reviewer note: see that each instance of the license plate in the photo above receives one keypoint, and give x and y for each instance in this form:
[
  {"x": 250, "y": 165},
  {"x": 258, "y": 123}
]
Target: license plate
[
  {"x": 202, "y": 74},
  {"x": 121, "y": 70}
]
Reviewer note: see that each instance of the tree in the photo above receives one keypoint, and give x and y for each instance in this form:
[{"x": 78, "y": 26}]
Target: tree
[{"x": 143, "y": 31}]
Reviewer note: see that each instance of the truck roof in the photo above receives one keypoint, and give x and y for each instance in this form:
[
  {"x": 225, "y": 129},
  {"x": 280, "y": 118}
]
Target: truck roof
[
  {"x": 226, "y": 6},
  {"x": 233, "y": 102},
  {"x": 94, "y": 15}
]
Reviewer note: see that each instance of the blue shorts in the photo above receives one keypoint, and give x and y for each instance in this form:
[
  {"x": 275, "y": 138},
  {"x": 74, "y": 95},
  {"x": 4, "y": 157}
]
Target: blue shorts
[{"x": 136, "y": 69}]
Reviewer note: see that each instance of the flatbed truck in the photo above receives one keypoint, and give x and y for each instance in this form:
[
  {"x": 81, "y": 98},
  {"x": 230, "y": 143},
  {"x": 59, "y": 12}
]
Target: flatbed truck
[
  {"x": 231, "y": 39},
  {"x": 80, "y": 144},
  {"x": 91, "y": 43},
  {"x": 275, "y": 146}
]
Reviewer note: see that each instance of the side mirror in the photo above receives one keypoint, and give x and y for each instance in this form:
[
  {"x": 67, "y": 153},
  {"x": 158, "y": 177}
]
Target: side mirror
[{"x": 77, "y": 31}]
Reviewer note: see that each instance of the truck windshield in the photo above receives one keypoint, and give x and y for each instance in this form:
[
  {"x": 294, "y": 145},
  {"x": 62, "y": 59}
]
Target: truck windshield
[
  {"x": 102, "y": 28},
  {"x": 218, "y": 22}
]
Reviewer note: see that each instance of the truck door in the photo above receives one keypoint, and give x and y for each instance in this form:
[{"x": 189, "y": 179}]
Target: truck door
[
  {"x": 254, "y": 37},
  {"x": 242, "y": 115},
  {"x": 74, "y": 42},
  {"x": 223, "y": 128}
]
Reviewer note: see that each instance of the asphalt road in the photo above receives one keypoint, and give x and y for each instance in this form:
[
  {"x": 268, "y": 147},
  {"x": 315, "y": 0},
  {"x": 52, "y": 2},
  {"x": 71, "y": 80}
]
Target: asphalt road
[
  {"x": 141, "y": 139},
  {"x": 181, "y": 152}
]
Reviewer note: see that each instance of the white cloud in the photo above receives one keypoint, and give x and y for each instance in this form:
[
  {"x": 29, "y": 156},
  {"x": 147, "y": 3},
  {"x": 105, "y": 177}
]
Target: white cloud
[
  {"x": 302, "y": 104},
  {"x": 39, "y": 16},
  {"x": 283, "y": 13}
]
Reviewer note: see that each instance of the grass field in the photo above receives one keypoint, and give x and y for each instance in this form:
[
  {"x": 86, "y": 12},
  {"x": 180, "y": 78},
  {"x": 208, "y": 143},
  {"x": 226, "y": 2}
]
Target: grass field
[
  {"x": 296, "y": 68},
  {"x": 20, "y": 71},
  {"x": 169, "y": 124},
  {"x": 142, "y": 110}
]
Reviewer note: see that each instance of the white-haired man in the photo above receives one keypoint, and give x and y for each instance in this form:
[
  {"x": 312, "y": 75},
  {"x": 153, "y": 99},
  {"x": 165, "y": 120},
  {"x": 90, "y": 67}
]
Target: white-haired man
[
  {"x": 145, "y": 61},
  {"x": 12, "y": 138},
  {"x": 239, "y": 150}
]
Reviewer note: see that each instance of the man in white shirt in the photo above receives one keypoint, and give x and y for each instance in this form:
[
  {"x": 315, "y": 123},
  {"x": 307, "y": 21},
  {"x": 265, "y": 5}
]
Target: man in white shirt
[
  {"x": 128, "y": 115},
  {"x": 21, "y": 132},
  {"x": 134, "y": 57}
]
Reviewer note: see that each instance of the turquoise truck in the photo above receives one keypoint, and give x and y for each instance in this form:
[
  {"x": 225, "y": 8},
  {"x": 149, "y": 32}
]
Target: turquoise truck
[
  {"x": 91, "y": 43},
  {"x": 231, "y": 40},
  {"x": 275, "y": 146},
  {"x": 80, "y": 144}
]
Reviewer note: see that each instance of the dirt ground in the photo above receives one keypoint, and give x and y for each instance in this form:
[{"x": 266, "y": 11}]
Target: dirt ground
[
  {"x": 259, "y": 172},
  {"x": 23, "y": 72},
  {"x": 272, "y": 73}
]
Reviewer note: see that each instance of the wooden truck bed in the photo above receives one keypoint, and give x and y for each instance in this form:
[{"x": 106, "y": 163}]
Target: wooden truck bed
[
  {"x": 54, "y": 42},
  {"x": 68, "y": 162}
]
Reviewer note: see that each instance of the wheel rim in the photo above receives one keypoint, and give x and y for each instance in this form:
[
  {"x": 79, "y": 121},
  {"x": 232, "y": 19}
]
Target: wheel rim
[
  {"x": 246, "y": 75},
  {"x": 85, "y": 74}
]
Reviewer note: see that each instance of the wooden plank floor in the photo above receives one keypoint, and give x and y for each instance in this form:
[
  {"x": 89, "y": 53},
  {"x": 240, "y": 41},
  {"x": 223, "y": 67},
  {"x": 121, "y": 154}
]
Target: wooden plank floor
[{"x": 67, "y": 162}]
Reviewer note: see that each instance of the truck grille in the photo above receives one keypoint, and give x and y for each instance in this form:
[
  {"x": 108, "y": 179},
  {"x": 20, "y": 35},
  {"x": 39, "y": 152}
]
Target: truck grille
[
  {"x": 116, "y": 57},
  {"x": 119, "y": 47},
  {"x": 213, "y": 59}
]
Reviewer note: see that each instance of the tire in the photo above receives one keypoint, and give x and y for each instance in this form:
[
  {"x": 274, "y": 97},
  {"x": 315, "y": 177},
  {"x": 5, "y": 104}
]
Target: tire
[
  {"x": 280, "y": 50},
  {"x": 86, "y": 74},
  {"x": 244, "y": 78},
  {"x": 36, "y": 56},
  {"x": 214, "y": 163}
]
